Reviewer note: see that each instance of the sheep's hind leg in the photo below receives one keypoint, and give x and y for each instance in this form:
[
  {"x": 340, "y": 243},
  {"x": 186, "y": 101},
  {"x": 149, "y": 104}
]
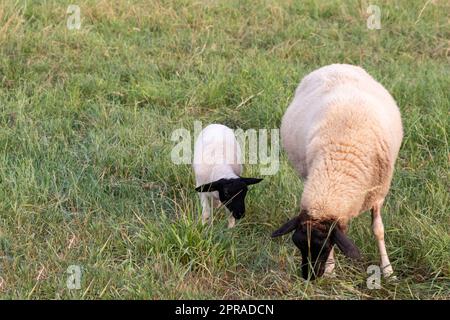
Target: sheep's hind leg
[
  {"x": 206, "y": 207},
  {"x": 329, "y": 265},
  {"x": 378, "y": 231}
]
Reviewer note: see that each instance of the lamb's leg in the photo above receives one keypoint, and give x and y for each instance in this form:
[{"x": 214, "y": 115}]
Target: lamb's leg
[
  {"x": 231, "y": 222},
  {"x": 206, "y": 207},
  {"x": 329, "y": 266},
  {"x": 216, "y": 203},
  {"x": 378, "y": 231}
]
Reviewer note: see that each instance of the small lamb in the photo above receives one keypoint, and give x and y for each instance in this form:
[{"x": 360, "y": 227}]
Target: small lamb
[
  {"x": 342, "y": 133},
  {"x": 217, "y": 167}
]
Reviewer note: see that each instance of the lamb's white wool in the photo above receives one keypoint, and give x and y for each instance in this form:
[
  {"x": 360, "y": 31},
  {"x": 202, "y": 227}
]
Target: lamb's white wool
[
  {"x": 217, "y": 155},
  {"x": 342, "y": 132}
]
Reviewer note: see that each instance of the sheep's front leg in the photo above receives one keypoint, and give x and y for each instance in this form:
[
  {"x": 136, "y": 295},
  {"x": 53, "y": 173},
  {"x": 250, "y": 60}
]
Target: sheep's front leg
[
  {"x": 231, "y": 222},
  {"x": 216, "y": 203},
  {"x": 329, "y": 265},
  {"x": 206, "y": 207},
  {"x": 378, "y": 231}
]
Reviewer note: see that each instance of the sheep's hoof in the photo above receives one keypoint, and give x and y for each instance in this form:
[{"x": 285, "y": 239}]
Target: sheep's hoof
[
  {"x": 329, "y": 274},
  {"x": 388, "y": 273},
  {"x": 231, "y": 222},
  {"x": 390, "y": 278}
]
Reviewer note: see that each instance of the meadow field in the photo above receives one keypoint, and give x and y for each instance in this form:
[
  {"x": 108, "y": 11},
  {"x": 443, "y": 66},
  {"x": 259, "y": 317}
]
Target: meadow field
[{"x": 86, "y": 120}]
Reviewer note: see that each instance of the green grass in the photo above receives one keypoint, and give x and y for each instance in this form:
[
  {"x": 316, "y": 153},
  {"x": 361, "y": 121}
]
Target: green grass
[{"x": 86, "y": 118}]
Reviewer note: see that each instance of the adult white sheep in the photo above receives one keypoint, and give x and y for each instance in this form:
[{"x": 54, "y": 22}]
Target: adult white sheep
[
  {"x": 217, "y": 166},
  {"x": 342, "y": 133}
]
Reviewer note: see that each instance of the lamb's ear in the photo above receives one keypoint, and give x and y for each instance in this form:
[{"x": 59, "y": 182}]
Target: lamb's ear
[
  {"x": 209, "y": 187},
  {"x": 287, "y": 227},
  {"x": 249, "y": 181},
  {"x": 346, "y": 245}
]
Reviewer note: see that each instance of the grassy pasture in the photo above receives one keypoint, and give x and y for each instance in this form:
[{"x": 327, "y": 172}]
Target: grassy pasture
[{"x": 86, "y": 118}]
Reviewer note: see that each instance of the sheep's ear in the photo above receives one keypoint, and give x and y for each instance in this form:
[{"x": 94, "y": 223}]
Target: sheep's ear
[
  {"x": 287, "y": 227},
  {"x": 209, "y": 187},
  {"x": 346, "y": 245},
  {"x": 249, "y": 181}
]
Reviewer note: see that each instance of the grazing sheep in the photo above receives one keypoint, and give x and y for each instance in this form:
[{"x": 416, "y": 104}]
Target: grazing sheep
[
  {"x": 342, "y": 133},
  {"x": 217, "y": 167}
]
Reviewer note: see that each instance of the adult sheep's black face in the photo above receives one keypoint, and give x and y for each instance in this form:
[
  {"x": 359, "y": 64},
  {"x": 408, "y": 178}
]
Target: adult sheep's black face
[
  {"x": 232, "y": 193},
  {"x": 315, "y": 246},
  {"x": 315, "y": 239}
]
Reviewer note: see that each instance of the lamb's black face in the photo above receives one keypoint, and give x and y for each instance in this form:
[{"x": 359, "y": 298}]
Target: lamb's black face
[
  {"x": 315, "y": 245},
  {"x": 232, "y": 193}
]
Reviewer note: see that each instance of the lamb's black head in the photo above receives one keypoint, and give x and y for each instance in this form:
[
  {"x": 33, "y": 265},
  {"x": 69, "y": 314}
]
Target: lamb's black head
[
  {"x": 232, "y": 193},
  {"x": 315, "y": 239}
]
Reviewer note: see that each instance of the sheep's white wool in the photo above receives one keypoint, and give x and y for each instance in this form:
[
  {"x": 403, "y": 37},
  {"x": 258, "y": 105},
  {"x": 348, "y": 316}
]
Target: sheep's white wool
[
  {"x": 217, "y": 155},
  {"x": 342, "y": 132}
]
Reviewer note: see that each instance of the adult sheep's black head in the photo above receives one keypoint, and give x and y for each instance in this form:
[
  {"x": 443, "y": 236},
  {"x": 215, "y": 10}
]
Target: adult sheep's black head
[
  {"x": 315, "y": 239},
  {"x": 232, "y": 193}
]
